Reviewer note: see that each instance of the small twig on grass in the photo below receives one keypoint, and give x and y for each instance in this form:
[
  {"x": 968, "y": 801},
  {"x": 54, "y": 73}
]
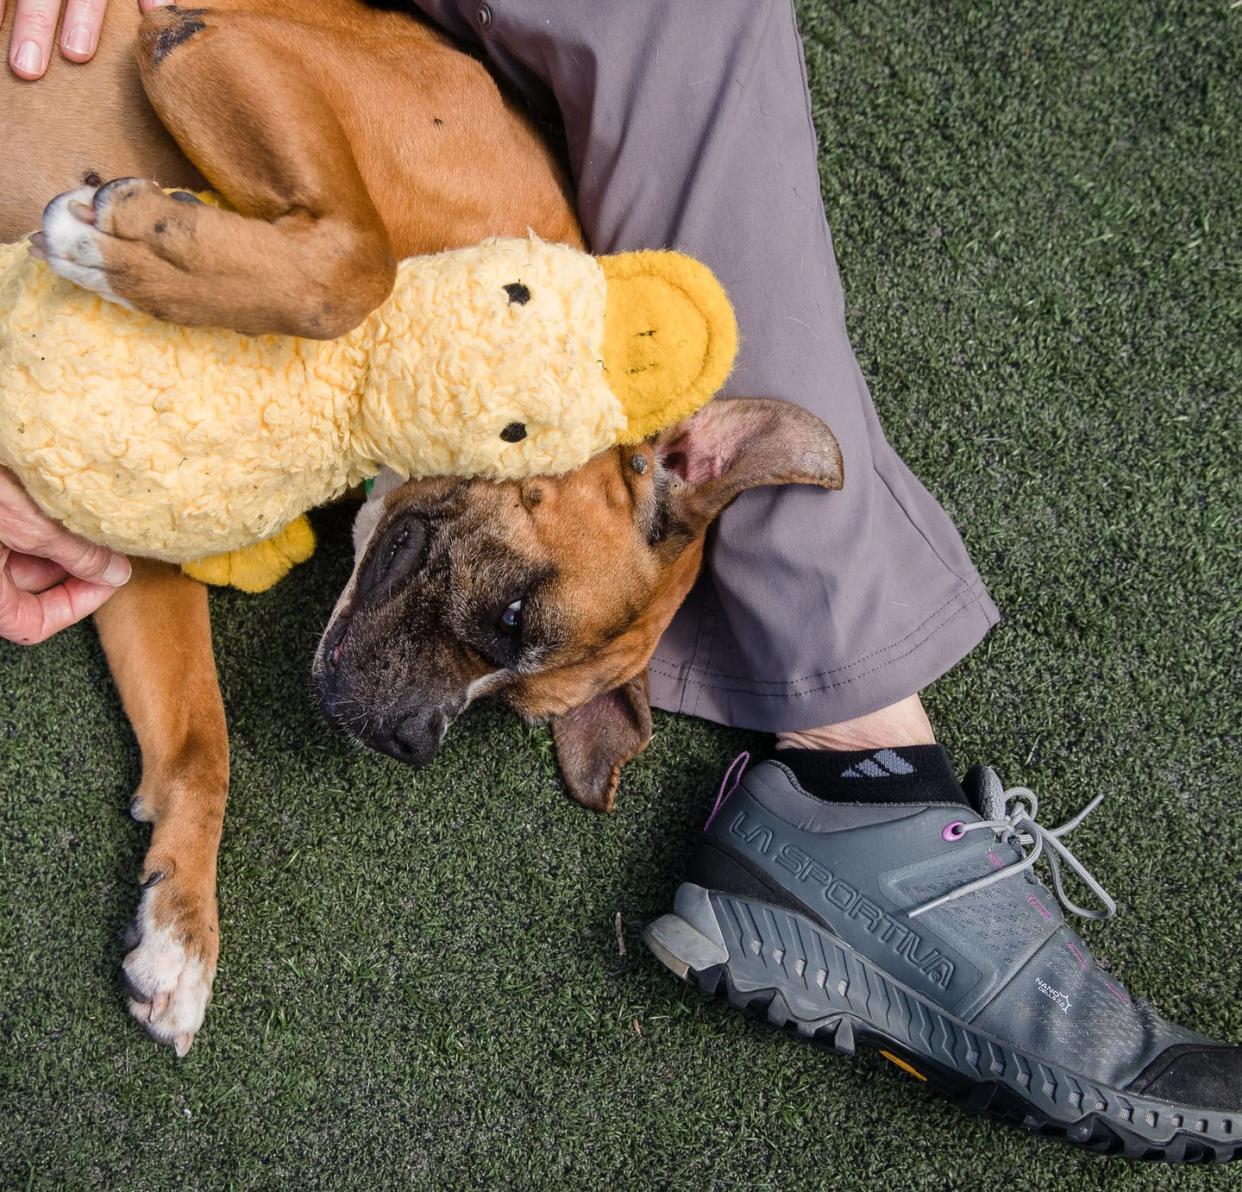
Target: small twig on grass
[{"x": 616, "y": 923}]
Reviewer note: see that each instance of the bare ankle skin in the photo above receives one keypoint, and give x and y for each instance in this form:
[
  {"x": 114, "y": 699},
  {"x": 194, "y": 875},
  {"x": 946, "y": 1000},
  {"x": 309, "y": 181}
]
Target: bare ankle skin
[{"x": 902, "y": 723}]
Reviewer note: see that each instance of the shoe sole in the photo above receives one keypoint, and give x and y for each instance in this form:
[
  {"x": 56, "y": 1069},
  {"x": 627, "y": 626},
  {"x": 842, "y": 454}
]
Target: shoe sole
[{"x": 804, "y": 979}]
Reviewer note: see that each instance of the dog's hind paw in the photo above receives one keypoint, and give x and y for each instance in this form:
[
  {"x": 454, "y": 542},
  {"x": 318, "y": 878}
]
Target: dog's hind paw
[{"x": 171, "y": 964}]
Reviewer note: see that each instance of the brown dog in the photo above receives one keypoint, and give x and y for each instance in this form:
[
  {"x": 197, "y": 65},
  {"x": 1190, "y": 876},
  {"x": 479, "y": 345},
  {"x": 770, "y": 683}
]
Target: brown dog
[
  {"x": 345, "y": 138},
  {"x": 469, "y": 589}
]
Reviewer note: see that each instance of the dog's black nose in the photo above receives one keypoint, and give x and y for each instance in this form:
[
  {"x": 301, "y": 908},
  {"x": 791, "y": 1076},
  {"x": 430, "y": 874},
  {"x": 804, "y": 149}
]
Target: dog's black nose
[{"x": 416, "y": 739}]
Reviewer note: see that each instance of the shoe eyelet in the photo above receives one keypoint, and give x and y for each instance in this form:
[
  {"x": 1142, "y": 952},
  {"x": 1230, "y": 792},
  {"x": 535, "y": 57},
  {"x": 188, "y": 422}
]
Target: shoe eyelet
[{"x": 954, "y": 831}]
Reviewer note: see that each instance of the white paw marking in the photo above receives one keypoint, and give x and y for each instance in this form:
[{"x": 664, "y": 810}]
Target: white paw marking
[
  {"x": 74, "y": 248},
  {"x": 178, "y": 984}
]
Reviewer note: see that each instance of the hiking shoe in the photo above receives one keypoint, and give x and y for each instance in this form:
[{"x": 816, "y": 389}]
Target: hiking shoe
[{"x": 920, "y": 927}]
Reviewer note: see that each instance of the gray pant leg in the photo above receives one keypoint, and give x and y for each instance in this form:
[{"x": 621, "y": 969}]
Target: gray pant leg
[{"x": 688, "y": 125}]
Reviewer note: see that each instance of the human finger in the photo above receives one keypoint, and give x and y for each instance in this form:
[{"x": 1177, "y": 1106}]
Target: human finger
[
  {"x": 30, "y": 43},
  {"x": 32, "y": 617},
  {"x": 79, "y": 30},
  {"x": 33, "y": 574}
]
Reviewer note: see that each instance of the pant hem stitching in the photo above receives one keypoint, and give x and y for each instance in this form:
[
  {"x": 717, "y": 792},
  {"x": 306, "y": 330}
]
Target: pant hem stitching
[
  {"x": 690, "y": 675},
  {"x": 965, "y": 598}
]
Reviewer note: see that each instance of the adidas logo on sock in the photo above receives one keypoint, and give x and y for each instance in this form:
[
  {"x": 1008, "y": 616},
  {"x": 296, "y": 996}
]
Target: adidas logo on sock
[{"x": 884, "y": 764}]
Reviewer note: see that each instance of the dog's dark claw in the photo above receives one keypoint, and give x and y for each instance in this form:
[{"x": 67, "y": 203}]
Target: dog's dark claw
[{"x": 110, "y": 190}]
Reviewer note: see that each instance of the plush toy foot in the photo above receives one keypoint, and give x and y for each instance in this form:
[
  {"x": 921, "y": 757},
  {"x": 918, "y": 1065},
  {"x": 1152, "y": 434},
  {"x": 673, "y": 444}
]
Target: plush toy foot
[{"x": 258, "y": 567}]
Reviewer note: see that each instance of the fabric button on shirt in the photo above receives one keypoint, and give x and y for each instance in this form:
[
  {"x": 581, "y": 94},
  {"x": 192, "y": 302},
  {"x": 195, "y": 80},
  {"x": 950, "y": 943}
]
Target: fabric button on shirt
[{"x": 484, "y": 17}]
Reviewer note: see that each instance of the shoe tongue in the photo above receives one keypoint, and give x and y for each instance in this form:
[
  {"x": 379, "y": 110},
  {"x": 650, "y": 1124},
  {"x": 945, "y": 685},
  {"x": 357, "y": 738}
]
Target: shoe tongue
[{"x": 984, "y": 792}]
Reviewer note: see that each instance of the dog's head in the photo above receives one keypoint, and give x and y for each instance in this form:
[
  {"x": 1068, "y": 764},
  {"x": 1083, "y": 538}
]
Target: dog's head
[{"x": 548, "y": 594}]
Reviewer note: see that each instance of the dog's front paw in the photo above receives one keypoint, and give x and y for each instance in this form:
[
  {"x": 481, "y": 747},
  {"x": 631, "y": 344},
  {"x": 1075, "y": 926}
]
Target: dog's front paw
[
  {"x": 73, "y": 243},
  {"x": 125, "y": 240},
  {"x": 173, "y": 945}
]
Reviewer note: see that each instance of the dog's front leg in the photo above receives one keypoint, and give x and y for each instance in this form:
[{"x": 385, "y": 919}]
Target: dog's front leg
[
  {"x": 304, "y": 252},
  {"x": 157, "y": 636}
]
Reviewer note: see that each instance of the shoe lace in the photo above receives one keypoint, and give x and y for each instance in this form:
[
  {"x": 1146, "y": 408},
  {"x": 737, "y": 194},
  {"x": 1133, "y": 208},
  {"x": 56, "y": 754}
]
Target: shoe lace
[
  {"x": 1019, "y": 827},
  {"x": 728, "y": 784}
]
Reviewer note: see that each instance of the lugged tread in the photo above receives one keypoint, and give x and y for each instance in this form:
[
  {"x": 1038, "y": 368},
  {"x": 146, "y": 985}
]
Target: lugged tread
[{"x": 854, "y": 1002}]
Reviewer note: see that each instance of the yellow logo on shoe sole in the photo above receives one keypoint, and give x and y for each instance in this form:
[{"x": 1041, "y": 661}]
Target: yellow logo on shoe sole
[{"x": 896, "y": 1059}]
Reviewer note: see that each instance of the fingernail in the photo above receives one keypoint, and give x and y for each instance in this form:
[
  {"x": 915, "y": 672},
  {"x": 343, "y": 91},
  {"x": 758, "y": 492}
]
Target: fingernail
[
  {"x": 117, "y": 572},
  {"x": 78, "y": 40},
  {"x": 29, "y": 58}
]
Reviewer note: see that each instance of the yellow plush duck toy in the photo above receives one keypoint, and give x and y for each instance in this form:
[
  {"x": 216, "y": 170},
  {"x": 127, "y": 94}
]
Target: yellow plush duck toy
[{"x": 204, "y": 447}]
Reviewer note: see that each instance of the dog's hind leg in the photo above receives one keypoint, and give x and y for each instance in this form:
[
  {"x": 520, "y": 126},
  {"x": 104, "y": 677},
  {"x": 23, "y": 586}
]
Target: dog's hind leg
[{"x": 157, "y": 636}]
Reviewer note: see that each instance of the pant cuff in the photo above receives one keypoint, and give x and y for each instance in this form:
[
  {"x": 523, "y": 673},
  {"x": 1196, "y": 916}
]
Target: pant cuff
[{"x": 881, "y": 678}]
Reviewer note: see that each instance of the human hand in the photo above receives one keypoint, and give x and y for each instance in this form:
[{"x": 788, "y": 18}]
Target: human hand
[
  {"x": 49, "y": 578},
  {"x": 34, "y": 28}
]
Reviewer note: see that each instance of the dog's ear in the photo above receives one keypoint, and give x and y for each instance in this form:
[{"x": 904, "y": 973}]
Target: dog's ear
[
  {"x": 594, "y": 741},
  {"x": 733, "y": 444}
]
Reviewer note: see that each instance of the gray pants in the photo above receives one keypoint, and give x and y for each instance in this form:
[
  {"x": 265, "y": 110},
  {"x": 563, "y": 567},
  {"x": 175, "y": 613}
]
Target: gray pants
[{"x": 688, "y": 126}]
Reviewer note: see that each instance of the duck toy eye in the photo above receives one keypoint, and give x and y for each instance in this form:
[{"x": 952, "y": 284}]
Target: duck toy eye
[
  {"x": 515, "y": 432},
  {"x": 519, "y": 294}
]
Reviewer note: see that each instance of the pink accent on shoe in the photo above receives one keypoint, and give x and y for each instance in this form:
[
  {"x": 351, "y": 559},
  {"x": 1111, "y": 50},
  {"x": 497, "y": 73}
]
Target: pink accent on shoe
[
  {"x": 1044, "y": 912},
  {"x": 997, "y": 863},
  {"x": 954, "y": 831},
  {"x": 1117, "y": 992},
  {"x": 1083, "y": 963},
  {"x": 739, "y": 764}
]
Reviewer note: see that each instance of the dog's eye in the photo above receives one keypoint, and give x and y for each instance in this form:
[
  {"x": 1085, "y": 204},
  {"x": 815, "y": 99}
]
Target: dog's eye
[
  {"x": 510, "y": 623},
  {"x": 398, "y": 541},
  {"x": 519, "y": 295},
  {"x": 393, "y": 548},
  {"x": 397, "y": 556},
  {"x": 515, "y": 432}
]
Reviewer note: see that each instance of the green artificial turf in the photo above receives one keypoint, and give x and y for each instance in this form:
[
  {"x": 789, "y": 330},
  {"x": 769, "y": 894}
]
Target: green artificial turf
[{"x": 1035, "y": 207}]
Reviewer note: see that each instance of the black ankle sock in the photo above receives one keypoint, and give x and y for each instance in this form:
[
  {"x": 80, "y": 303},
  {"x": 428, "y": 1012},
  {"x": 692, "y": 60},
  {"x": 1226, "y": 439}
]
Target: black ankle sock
[{"x": 911, "y": 774}]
